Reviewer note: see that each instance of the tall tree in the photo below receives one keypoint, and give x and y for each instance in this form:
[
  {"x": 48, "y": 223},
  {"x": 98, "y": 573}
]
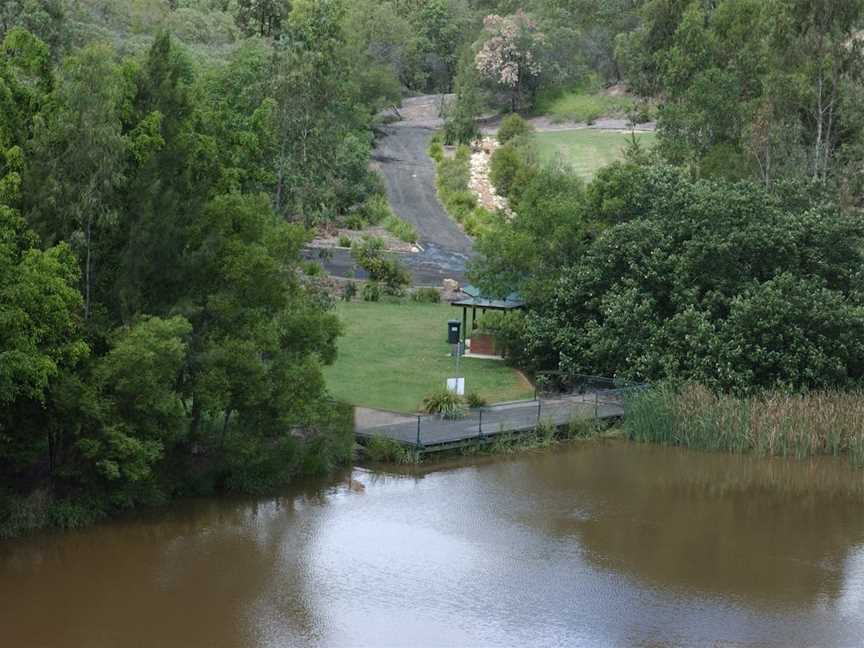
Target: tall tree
[
  {"x": 78, "y": 159},
  {"x": 509, "y": 55}
]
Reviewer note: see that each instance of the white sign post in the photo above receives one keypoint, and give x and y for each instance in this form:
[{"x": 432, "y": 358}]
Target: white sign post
[{"x": 456, "y": 386}]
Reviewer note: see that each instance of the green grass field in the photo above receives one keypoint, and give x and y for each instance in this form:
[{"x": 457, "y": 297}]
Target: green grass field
[
  {"x": 392, "y": 355},
  {"x": 586, "y": 150}
]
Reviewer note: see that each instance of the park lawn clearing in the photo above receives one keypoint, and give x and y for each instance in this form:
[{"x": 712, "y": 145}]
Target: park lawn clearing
[
  {"x": 393, "y": 355},
  {"x": 586, "y": 150}
]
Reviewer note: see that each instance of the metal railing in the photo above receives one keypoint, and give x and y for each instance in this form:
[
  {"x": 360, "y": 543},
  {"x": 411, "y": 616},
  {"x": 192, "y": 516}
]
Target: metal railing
[{"x": 427, "y": 431}]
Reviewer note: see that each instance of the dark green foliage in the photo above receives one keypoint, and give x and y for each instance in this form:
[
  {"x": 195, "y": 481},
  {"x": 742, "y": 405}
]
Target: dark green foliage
[
  {"x": 504, "y": 167},
  {"x": 460, "y": 123},
  {"x": 384, "y": 450},
  {"x": 513, "y": 126},
  {"x": 157, "y": 340},
  {"x": 727, "y": 285},
  {"x": 349, "y": 292},
  {"x": 763, "y": 90},
  {"x": 550, "y": 229},
  {"x": 390, "y": 273},
  {"x": 426, "y": 296},
  {"x": 371, "y": 291}
]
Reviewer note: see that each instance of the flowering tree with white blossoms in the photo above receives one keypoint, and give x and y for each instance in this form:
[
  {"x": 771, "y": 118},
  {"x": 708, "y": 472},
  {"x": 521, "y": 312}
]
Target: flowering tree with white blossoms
[{"x": 510, "y": 54}]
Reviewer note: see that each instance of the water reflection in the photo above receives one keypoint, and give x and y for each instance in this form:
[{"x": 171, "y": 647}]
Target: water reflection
[{"x": 598, "y": 544}]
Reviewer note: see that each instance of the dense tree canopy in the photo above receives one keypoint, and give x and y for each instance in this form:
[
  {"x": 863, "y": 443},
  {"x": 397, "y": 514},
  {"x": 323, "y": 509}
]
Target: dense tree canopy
[
  {"x": 724, "y": 284},
  {"x": 157, "y": 337}
]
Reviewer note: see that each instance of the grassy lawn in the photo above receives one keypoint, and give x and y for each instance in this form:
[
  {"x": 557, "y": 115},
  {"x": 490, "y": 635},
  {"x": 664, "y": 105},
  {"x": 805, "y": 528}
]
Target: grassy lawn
[
  {"x": 392, "y": 355},
  {"x": 586, "y": 150}
]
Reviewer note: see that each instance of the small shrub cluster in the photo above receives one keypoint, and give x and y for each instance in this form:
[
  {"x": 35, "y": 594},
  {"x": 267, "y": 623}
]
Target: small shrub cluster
[
  {"x": 372, "y": 292},
  {"x": 384, "y": 450},
  {"x": 475, "y": 400},
  {"x": 389, "y": 273},
  {"x": 401, "y": 229},
  {"x": 312, "y": 268},
  {"x": 504, "y": 167},
  {"x": 445, "y": 403},
  {"x": 376, "y": 209},
  {"x": 355, "y": 222},
  {"x": 426, "y": 296},
  {"x": 349, "y": 292},
  {"x": 344, "y": 241},
  {"x": 513, "y": 126},
  {"x": 436, "y": 150}
]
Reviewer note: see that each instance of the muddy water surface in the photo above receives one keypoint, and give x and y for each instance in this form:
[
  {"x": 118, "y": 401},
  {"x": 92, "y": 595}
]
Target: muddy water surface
[{"x": 596, "y": 545}]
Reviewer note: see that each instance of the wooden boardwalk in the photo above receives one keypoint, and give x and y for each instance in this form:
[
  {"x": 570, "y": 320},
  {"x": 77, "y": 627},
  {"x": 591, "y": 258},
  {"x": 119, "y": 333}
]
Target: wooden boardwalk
[{"x": 432, "y": 433}]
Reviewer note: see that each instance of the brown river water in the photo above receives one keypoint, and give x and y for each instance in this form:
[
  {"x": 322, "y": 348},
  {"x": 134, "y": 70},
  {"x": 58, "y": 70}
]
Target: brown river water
[{"x": 601, "y": 544}]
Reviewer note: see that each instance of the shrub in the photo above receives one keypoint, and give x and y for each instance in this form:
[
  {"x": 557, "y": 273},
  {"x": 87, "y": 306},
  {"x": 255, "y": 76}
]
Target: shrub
[
  {"x": 376, "y": 209},
  {"x": 349, "y": 291},
  {"x": 401, "y": 229},
  {"x": 386, "y": 450},
  {"x": 475, "y": 400},
  {"x": 444, "y": 402},
  {"x": 344, "y": 241},
  {"x": 461, "y": 203},
  {"x": 355, "y": 222},
  {"x": 513, "y": 126},
  {"x": 372, "y": 292},
  {"x": 478, "y": 221},
  {"x": 312, "y": 268},
  {"x": 426, "y": 296},
  {"x": 505, "y": 165},
  {"x": 369, "y": 255},
  {"x": 511, "y": 336},
  {"x": 436, "y": 151},
  {"x": 580, "y": 428}
]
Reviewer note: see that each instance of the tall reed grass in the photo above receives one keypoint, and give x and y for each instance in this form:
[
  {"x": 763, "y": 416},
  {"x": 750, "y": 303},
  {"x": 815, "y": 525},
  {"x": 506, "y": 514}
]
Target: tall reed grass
[{"x": 776, "y": 424}]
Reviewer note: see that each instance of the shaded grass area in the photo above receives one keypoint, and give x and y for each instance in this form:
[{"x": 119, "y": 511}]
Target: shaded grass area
[
  {"x": 784, "y": 425},
  {"x": 393, "y": 355},
  {"x": 586, "y": 151}
]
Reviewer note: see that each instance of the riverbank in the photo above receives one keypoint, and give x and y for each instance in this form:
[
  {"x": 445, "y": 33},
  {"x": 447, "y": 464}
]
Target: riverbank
[
  {"x": 782, "y": 425},
  {"x": 241, "y": 465}
]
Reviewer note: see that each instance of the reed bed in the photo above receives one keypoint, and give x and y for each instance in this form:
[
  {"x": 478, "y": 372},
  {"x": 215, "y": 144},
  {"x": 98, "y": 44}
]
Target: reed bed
[{"x": 775, "y": 424}]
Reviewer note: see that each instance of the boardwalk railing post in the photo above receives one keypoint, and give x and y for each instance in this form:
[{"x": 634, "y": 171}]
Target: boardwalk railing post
[
  {"x": 595, "y": 409},
  {"x": 418, "y": 433},
  {"x": 481, "y": 422},
  {"x": 539, "y": 405}
]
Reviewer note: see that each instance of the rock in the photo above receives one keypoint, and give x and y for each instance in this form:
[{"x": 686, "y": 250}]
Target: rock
[{"x": 451, "y": 285}]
